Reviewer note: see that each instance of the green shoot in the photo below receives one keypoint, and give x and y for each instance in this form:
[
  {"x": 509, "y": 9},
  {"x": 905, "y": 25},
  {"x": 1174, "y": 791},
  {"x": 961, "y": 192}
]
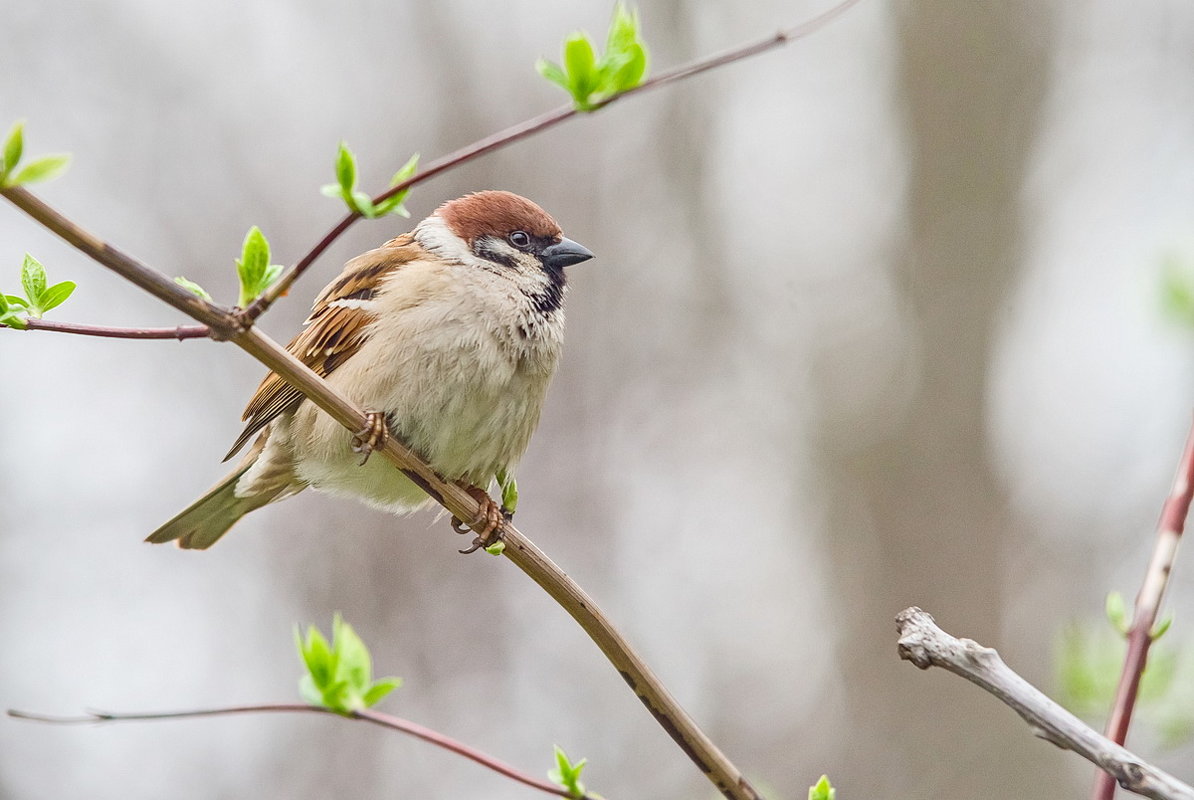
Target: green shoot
[
  {"x": 39, "y": 297},
  {"x": 42, "y": 168},
  {"x": 593, "y": 81},
  {"x": 193, "y": 288},
  {"x": 340, "y": 675},
  {"x": 253, "y": 268},
  {"x": 822, "y": 790},
  {"x": 566, "y": 775},
  {"x": 359, "y": 202}
]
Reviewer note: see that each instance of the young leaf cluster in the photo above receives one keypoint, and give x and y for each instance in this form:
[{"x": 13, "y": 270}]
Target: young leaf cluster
[
  {"x": 822, "y": 790},
  {"x": 359, "y": 202},
  {"x": 340, "y": 675},
  {"x": 1088, "y": 664},
  {"x": 253, "y": 268},
  {"x": 39, "y": 296},
  {"x": 566, "y": 775},
  {"x": 591, "y": 80},
  {"x": 41, "y": 168}
]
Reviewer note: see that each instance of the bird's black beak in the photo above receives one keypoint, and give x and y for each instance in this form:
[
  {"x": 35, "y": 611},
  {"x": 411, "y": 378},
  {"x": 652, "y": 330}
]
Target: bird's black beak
[{"x": 565, "y": 253}]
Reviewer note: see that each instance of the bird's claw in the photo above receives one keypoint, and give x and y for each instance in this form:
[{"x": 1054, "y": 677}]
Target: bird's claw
[
  {"x": 374, "y": 435},
  {"x": 489, "y": 518}
]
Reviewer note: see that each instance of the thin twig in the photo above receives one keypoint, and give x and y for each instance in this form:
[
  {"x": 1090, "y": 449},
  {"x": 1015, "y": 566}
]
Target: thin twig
[
  {"x": 223, "y": 322},
  {"x": 179, "y": 332},
  {"x": 366, "y": 715},
  {"x": 1148, "y": 605},
  {"x": 663, "y": 706},
  {"x": 926, "y": 645},
  {"x": 535, "y": 125}
]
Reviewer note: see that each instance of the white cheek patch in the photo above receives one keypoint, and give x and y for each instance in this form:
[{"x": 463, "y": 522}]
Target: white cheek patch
[{"x": 434, "y": 235}]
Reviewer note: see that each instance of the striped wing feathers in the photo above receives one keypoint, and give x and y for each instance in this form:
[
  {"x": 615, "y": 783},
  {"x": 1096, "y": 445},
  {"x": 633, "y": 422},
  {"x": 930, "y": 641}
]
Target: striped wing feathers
[{"x": 334, "y": 331}]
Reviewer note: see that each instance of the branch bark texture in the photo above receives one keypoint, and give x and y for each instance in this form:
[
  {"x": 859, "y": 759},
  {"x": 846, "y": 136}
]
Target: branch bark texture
[{"x": 926, "y": 645}]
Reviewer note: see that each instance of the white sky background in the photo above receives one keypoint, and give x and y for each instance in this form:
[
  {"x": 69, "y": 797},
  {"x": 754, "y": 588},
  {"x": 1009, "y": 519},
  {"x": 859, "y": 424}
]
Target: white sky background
[{"x": 744, "y": 309}]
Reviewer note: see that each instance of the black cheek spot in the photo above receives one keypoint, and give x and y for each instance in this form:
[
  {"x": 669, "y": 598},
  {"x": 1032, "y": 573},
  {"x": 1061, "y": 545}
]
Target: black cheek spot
[{"x": 485, "y": 248}]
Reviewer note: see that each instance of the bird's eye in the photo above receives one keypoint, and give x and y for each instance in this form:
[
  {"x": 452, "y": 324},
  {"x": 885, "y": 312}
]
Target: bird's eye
[{"x": 520, "y": 239}]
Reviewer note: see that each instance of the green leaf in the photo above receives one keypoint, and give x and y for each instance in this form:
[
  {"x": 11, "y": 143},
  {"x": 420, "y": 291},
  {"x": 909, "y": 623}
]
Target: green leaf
[
  {"x": 55, "y": 296},
  {"x": 33, "y": 279},
  {"x": 15, "y": 300},
  {"x": 8, "y": 316},
  {"x": 406, "y": 171},
  {"x": 10, "y": 319},
  {"x": 272, "y": 273},
  {"x": 579, "y": 61},
  {"x": 1088, "y": 664},
  {"x": 1177, "y": 290},
  {"x": 623, "y": 30},
  {"x": 40, "y": 169},
  {"x": 393, "y": 204},
  {"x": 553, "y": 73},
  {"x": 631, "y": 72},
  {"x": 380, "y": 689},
  {"x": 14, "y": 143},
  {"x": 193, "y": 287},
  {"x": 255, "y": 253},
  {"x": 309, "y": 691},
  {"x": 1117, "y": 612},
  {"x": 566, "y": 775},
  {"x": 355, "y": 665},
  {"x": 346, "y": 168},
  {"x": 496, "y": 549},
  {"x": 509, "y": 487},
  {"x": 317, "y": 656},
  {"x": 822, "y": 790},
  {"x": 1161, "y": 628},
  {"x": 253, "y": 267},
  {"x": 361, "y": 203}
]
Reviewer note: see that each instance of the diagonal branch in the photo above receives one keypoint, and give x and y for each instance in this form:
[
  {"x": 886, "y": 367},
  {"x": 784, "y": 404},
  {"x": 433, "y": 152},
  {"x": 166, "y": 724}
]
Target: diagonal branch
[
  {"x": 537, "y": 124},
  {"x": 1148, "y": 604},
  {"x": 926, "y": 645},
  {"x": 520, "y": 550},
  {"x": 367, "y": 715}
]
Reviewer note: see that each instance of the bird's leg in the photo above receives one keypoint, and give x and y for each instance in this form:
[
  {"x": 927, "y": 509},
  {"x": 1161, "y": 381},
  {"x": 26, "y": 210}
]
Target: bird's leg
[
  {"x": 375, "y": 434},
  {"x": 489, "y": 518}
]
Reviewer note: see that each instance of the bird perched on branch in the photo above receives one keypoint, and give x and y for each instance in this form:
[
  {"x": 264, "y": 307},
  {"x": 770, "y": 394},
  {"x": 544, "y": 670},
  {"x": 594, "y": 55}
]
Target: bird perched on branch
[{"x": 448, "y": 335}]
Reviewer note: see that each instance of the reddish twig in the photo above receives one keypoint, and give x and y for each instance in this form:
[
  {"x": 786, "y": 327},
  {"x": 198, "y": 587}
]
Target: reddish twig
[
  {"x": 179, "y": 332},
  {"x": 1148, "y": 604},
  {"x": 534, "y": 125},
  {"x": 367, "y": 715}
]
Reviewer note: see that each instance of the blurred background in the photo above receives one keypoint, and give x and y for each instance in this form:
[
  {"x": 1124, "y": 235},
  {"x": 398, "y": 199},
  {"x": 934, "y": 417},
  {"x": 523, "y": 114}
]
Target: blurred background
[{"x": 876, "y": 320}]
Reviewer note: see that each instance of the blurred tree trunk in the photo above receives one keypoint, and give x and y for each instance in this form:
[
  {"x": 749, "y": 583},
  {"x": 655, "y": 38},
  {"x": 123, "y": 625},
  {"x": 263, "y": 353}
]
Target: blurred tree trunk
[{"x": 972, "y": 78}]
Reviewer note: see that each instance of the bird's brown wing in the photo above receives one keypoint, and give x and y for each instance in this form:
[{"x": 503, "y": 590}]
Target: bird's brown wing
[{"x": 334, "y": 331}]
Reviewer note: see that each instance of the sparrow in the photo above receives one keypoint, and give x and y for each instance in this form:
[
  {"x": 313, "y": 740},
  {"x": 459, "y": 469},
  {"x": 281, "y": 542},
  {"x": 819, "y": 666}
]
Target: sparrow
[{"x": 448, "y": 335}]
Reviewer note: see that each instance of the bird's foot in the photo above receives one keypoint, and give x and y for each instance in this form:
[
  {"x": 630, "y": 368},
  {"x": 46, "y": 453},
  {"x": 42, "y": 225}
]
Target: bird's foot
[
  {"x": 374, "y": 435},
  {"x": 489, "y": 518}
]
